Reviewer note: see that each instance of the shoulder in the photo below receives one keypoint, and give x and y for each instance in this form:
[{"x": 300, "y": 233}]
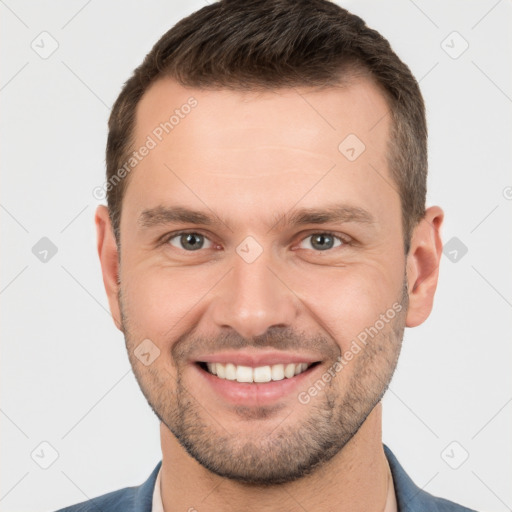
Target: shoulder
[
  {"x": 411, "y": 498},
  {"x": 121, "y": 499},
  {"x": 129, "y": 499}
]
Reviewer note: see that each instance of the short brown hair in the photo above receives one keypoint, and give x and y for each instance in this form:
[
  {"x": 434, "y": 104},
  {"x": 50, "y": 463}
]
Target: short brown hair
[{"x": 269, "y": 44}]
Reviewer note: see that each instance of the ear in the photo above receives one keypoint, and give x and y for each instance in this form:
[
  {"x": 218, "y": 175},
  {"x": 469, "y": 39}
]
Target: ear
[
  {"x": 108, "y": 253},
  {"x": 423, "y": 265}
]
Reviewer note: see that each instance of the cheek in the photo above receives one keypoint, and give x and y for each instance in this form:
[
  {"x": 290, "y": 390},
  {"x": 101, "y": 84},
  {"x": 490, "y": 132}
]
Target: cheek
[
  {"x": 348, "y": 300},
  {"x": 160, "y": 301}
]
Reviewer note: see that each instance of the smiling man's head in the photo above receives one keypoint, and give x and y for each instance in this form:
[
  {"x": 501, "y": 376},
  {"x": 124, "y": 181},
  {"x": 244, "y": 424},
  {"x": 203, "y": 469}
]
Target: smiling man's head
[{"x": 266, "y": 222}]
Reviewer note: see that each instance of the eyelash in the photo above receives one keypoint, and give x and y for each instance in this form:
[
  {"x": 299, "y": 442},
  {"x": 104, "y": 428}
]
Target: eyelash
[{"x": 167, "y": 238}]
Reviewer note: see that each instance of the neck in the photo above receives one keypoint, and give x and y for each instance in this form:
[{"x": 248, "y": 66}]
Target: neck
[{"x": 354, "y": 480}]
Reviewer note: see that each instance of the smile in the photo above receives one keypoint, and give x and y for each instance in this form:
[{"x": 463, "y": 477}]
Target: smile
[{"x": 247, "y": 374}]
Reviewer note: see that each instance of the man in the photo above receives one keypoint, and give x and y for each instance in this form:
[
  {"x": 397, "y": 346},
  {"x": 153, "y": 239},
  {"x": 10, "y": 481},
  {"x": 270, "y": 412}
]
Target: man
[{"x": 265, "y": 244}]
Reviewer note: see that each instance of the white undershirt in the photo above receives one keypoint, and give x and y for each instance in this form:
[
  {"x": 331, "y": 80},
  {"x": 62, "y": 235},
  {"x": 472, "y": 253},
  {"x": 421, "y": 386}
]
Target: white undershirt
[{"x": 158, "y": 506}]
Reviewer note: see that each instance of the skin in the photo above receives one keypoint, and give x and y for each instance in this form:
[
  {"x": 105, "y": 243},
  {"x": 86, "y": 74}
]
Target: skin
[{"x": 249, "y": 158}]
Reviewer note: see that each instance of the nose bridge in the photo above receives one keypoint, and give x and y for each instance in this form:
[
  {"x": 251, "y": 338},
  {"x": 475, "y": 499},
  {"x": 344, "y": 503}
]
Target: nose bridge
[{"x": 253, "y": 297}]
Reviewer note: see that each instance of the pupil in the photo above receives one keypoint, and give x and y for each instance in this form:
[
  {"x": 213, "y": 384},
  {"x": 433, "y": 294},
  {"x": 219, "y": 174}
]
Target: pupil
[
  {"x": 188, "y": 239},
  {"x": 322, "y": 239}
]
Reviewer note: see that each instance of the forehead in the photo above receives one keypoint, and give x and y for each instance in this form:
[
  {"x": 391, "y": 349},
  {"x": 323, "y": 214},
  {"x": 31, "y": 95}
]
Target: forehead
[
  {"x": 281, "y": 145},
  {"x": 357, "y": 106}
]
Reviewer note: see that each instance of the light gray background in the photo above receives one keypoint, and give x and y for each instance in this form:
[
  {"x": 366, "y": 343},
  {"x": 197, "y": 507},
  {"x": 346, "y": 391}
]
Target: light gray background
[{"x": 65, "y": 376}]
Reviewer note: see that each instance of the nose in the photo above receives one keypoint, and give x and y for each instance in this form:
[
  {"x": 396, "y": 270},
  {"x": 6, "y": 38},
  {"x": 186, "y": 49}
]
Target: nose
[{"x": 254, "y": 297}]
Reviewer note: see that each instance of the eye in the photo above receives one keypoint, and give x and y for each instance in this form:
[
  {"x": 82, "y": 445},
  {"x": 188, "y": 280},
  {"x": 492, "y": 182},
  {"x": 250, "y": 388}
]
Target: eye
[
  {"x": 323, "y": 241},
  {"x": 188, "y": 241},
  {"x": 191, "y": 241}
]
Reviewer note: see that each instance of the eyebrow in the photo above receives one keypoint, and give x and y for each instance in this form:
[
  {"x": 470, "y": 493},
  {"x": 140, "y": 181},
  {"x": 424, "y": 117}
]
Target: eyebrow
[{"x": 337, "y": 213}]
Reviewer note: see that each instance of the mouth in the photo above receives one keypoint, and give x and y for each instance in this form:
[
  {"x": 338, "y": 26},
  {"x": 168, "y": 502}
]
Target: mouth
[
  {"x": 258, "y": 374},
  {"x": 254, "y": 386}
]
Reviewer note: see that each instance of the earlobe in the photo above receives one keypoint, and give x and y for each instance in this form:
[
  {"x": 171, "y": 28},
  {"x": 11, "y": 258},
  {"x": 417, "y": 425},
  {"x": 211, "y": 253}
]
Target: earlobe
[
  {"x": 423, "y": 266},
  {"x": 109, "y": 260}
]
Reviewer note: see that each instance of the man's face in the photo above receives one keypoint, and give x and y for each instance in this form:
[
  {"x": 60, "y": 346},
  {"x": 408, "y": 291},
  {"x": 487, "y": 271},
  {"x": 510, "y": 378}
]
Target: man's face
[{"x": 254, "y": 289}]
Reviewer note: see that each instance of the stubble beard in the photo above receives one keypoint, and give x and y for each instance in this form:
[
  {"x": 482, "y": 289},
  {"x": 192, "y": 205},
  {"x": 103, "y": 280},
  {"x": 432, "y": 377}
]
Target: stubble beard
[{"x": 292, "y": 449}]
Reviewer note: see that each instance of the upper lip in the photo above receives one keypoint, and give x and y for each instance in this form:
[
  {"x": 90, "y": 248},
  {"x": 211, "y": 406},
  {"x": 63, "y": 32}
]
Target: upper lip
[{"x": 255, "y": 359}]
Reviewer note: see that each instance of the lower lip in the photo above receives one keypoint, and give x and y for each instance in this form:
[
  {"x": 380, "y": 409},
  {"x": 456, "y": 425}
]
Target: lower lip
[{"x": 256, "y": 393}]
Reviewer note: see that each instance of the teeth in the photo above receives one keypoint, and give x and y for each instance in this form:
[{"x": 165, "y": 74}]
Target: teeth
[
  {"x": 267, "y": 373},
  {"x": 230, "y": 371},
  {"x": 243, "y": 373},
  {"x": 262, "y": 374},
  {"x": 221, "y": 370},
  {"x": 289, "y": 370},
  {"x": 277, "y": 371}
]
